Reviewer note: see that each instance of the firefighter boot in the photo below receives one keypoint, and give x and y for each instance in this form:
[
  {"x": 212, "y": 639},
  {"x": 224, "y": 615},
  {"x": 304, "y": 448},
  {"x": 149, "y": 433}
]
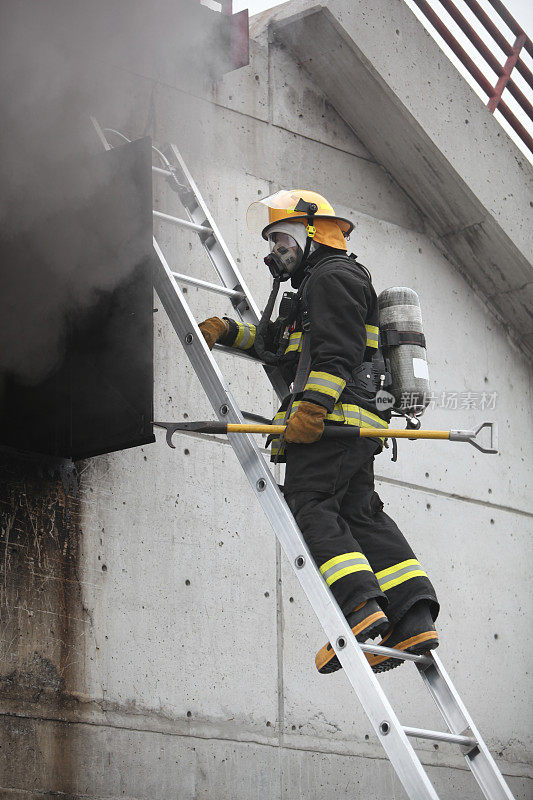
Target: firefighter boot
[
  {"x": 366, "y": 621},
  {"x": 414, "y": 632}
]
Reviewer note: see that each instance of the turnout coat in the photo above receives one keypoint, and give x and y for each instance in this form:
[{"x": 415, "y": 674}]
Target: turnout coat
[{"x": 336, "y": 307}]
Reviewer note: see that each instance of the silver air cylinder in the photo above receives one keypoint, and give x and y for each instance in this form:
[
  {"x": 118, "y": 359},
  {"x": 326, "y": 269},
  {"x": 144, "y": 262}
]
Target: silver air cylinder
[{"x": 399, "y": 311}]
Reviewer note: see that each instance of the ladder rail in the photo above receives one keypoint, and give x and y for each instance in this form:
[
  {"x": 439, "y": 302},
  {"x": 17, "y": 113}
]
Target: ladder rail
[
  {"x": 374, "y": 701},
  {"x": 459, "y": 721}
]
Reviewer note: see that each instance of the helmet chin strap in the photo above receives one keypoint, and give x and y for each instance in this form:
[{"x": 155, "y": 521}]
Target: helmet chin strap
[
  {"x": 310, "y": 210},
  {"x": 307, "y": 250}
]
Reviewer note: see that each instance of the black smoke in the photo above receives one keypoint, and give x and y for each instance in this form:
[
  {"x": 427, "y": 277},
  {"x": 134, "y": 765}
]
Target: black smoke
[{"x": 60, "y": 62}]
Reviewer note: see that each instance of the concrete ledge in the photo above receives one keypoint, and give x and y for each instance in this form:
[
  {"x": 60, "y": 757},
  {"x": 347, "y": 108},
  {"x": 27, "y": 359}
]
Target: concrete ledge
[
  {"x": 392, "y": 84},
  {"x": 106, "y": 762}
]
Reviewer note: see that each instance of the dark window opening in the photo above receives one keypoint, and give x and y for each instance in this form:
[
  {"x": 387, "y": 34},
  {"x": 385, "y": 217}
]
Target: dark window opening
[{"x": 76, "y": 310}]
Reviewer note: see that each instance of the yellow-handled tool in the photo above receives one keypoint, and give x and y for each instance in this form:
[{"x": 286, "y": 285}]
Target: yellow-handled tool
[{"x": 336, "y": 431}]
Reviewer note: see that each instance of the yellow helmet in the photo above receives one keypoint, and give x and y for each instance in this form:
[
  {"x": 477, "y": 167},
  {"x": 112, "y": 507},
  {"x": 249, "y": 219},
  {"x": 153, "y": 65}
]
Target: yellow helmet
[{"x": 300, "y": 205}]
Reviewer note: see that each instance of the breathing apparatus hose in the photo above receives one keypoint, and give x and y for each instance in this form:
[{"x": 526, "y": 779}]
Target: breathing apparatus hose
[{"x": 268, "y": 356}]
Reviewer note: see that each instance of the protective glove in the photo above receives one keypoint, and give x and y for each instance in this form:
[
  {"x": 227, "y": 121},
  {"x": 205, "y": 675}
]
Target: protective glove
[
  {"x": 213, "y": 330},
  {"x": 307, "y": 424}
]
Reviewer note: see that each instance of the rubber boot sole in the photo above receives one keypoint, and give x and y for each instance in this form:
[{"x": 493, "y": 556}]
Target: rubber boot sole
[
  {"x": 326, "y": 659},
  {"x": 417, "y": 645}
]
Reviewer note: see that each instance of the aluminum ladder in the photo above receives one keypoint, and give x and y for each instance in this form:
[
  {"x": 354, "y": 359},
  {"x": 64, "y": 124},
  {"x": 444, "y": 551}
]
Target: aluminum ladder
[{"x": 390, "y": 732}]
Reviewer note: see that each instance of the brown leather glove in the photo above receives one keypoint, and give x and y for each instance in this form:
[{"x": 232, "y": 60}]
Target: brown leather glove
[
  {"x": 213, "y": 329},
  {"x": 307, "y": 424}
]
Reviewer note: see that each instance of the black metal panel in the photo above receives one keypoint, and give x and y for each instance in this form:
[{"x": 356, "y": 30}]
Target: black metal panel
[{"x": 81, "y": 281}]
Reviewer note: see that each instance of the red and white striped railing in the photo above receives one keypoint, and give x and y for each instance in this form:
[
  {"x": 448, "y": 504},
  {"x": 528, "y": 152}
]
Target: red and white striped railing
[{"x": 512, "y": 52}]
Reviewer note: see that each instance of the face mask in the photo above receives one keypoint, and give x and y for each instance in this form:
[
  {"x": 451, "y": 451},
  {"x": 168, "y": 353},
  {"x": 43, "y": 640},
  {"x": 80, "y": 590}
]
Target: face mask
[{"x": 285, "y": 255}]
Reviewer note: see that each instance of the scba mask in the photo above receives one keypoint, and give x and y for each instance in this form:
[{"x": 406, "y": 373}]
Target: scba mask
[
  {"x": 285, "y": 255},
  {"x": 287, "y": 245}
]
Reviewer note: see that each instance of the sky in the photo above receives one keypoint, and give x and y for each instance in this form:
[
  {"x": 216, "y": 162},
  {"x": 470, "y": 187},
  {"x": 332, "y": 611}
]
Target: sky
[{"x": 522, "y": 11}]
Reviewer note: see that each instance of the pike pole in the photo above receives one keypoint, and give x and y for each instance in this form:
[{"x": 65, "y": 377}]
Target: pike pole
[{"x": 208, "y": 427}]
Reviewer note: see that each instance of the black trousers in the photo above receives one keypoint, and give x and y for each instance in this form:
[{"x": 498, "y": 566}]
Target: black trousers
[{"x": 359, "y": 549}]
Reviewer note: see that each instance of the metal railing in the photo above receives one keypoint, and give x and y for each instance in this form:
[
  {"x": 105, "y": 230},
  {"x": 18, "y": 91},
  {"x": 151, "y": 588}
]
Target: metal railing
[{"x": 502, "y": 71}]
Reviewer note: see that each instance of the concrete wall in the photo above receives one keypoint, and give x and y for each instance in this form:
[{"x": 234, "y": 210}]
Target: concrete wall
[{"x": 155, "y": 644}]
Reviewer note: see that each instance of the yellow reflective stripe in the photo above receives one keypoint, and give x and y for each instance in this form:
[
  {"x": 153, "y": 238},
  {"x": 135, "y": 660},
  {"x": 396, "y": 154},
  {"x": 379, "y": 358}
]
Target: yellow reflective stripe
[
  {"x": 411, "y": 562},
  {"x": 339, "y": 559},
  {"x": 240, "y": 334},
  {"x": 406, "y": 577},
  {"x": 245, "y": 337},
  {"x": 372, "y": 335},
  {"x": 337, "y": 415},
  {"x": 399, "y": 573},
  {"x": 295, "y": 342},
  {"x": 356, "y": 415},
  {"x": 275, "y": 446},
  {"x": 345, "y": 564},
  {"x": 325, "y": 383},
  {"x": 346, "y": 571},
  {"x": 314, "y": 387},
  {"x": 348, "y": 413}
]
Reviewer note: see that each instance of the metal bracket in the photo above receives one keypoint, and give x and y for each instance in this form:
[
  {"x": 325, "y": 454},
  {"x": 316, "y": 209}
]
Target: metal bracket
[
  {"x": 181, "y": 188},
  {"x": 470, "y": 437},
  {"x": 468, "y": 749},
  {"x": 413, "y": 423},
  {"x": 240, "y": 304}
]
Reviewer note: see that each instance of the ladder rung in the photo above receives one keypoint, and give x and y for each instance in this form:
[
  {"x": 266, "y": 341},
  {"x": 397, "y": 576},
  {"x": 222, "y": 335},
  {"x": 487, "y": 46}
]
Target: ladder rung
[
  {"x": 210, "y": 287},
  {"x": 234, "y": 351},
  {"x": 256, "y": 418},
  {"x": 377, "y": 650},
  {"x": 182, "y": 222},
  {"x": 161, "y": 171},
  {"x": 439, "y": 736}
]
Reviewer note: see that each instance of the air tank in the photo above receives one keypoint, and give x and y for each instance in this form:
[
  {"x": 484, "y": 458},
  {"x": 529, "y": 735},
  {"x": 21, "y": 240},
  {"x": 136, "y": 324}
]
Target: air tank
[{"x": 402, "y": 340}]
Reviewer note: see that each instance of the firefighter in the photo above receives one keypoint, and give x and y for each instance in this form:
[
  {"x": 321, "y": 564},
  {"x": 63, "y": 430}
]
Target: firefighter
[{"x": 325, "y": 342}]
